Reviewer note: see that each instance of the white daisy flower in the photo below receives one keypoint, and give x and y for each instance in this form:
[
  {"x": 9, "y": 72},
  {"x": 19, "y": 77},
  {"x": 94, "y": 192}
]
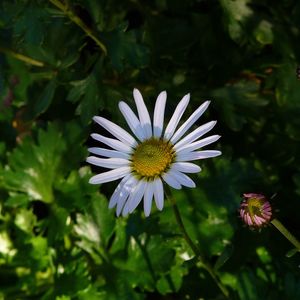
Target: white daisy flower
[{"x": 153, "y": 157}]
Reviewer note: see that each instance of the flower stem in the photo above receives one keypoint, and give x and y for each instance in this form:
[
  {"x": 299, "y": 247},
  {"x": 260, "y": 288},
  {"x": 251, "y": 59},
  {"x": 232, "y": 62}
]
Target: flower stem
[
  {"x": 195, "y": 249},
  {"x": 75, "y": 19},
  {"x": 22, "y": 57},
  {"x": 286, "y": 233}
]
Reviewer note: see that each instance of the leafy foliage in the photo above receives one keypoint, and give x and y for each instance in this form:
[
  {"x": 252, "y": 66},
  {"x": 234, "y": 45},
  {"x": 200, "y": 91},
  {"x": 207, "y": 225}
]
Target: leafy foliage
[{"x": 58, "y": 239}]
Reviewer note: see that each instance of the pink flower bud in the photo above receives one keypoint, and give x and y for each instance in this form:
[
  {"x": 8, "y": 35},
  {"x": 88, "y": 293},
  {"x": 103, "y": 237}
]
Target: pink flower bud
[{"x": 255, "y": 210}]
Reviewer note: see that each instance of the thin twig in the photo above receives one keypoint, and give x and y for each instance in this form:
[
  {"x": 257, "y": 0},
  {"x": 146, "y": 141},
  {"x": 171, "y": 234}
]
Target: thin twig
[
  {"x": 22, "y": 57},
  {"x": 75, "y": 19},
  {"x": 195, "y": 249}
]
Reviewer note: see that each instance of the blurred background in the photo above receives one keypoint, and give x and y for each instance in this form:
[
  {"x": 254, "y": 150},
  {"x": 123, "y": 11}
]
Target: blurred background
[{"x": 62, "y": 62}]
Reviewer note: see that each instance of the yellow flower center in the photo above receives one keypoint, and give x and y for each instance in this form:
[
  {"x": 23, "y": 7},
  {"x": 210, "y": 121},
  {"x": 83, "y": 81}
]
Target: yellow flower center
[
  {"x": 152, "y": 158},
  {"x": 255, "y": 207}
]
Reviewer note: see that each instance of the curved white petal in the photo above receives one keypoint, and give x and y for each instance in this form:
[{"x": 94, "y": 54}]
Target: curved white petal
[
  {"x": 116, "y": 130},
  {"x": 186, "y": 167},
  {"x": 132, "y": 120},
  {"x": 118, "y": 192},
  {"x": 108, "y": 153},
  {"x": 171, "y": 181},
  {"x": 189, "y": 122},
  {"x": 176, "y": 116},
  {"x": 197, "y": 155},
  {"x": 110, "y": 175},
  {"x": 137, "y": 195},
  {"x": 182, "y": 178},
  {"x": 128, "y": 188},
  {"x": 194, "y": 135},
  {"x": 110, "y": 163},
  {"x": 121, "y": 202},
  {"x": 158, "y": 193},
  {"x": 159, "y": 111},
  {"x": 197, "y": 145},
  {"x": 115, "y": 144},
  {"x": 148, "y": 196},
  {"x": 143, "y": 113}
]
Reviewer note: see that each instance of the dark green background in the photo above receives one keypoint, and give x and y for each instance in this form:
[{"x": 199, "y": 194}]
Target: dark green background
[{"x": 58, "y": 240}]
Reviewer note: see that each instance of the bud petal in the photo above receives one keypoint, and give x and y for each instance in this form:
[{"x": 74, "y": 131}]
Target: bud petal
[{"x": 255, "y": 210}]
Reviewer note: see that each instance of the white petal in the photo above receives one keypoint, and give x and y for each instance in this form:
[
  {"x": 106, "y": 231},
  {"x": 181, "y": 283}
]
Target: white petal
[
  {"x": 116, "y": 130},
  {"x": 117, "y": 193},
  {"x": 115, "y": 144},
  {"x": 189, "y": 122},
  {"x": 110, "y": 175},
  {"x": 143, "y": 113},
  {"x": 108, "y": 153},
  {"x": 137, "y": 195},
  {"x": 186, "y": 167},
  {"x": 159, "y": 111},
  {"x": 176, "y": 116},
  {"x": 171, "y": 181},
  {"x": 197, "y": 155},
  {"x": 125, "y": 192},
  {"x": 148, "y": 198},
  {"x": 158, "y": 193},
  {"x": 121, "y": 201},
  {"x": 182, "y": 178},
  {"x": 132, "y": 120},
  {"x": 194, "y": 135},
  {"x": 198, "y": 144},
  {"x": 110, "y": 163}
]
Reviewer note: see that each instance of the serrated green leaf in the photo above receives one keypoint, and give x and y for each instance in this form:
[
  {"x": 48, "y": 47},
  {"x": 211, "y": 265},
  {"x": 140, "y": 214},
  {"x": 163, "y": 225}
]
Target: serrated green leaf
[
  {"x": 33, "y": 168},
  {"x": 123, "y": 48},
  {"x": 87, "y": 91}
]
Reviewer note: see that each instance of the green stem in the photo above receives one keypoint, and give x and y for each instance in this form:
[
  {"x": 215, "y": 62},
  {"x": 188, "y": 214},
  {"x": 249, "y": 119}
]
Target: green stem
[
  {"x": 286, "y": 233},
  {"x": 22, "y": 57},
  {"x": 75, "y": 19},
  {"x": 195, "y": 249}
]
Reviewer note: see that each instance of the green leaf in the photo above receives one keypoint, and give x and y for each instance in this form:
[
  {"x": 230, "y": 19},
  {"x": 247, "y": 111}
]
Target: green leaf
[
  {"x": 247, "y": 286},
  {"x": 88, "y": 92},
  {"x": 16, "y": 200},
  {"x": 124, "y": 48},
  {"x": 46, "y": 98},
  {"x": 223, "y": 258},
  {"x": 74, "y": 278},
  {"x": 241, "y": 96},
  {"x": 103, "y": 217},
  {"x": 263, "y": 33},
  {"x": 172, "y": 281},
  {"x": 287, "y": 87},
  {"x": 264, "y": 255},
  {"x": 31, "y": 25},
  {"x": 291, "y": 252},
  {"x": 237, "y": 13},
  {"x": 34, "y": 168}
]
